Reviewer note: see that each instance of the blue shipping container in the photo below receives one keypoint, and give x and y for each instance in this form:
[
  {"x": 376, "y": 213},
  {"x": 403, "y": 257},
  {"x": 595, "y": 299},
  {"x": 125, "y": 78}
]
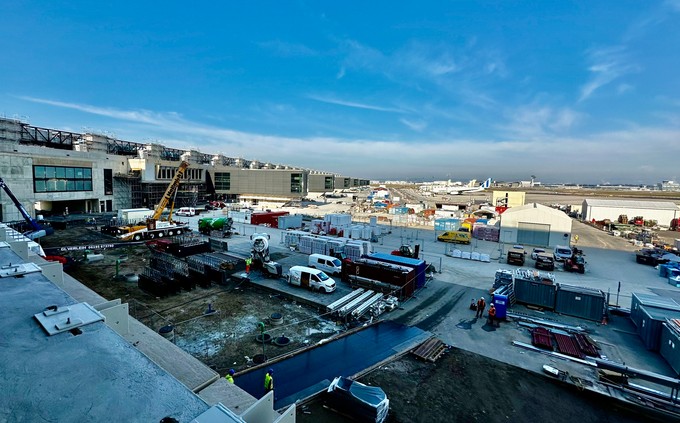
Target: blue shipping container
[{"x": 419, "y": 265}]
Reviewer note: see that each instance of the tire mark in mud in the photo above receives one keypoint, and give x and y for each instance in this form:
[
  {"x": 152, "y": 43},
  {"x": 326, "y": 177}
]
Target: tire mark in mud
[{"x": 438, "y": 306}]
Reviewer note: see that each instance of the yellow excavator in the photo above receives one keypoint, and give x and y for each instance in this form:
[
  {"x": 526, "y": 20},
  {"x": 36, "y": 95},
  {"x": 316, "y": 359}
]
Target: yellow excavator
[{"x": 155, "y": 227}]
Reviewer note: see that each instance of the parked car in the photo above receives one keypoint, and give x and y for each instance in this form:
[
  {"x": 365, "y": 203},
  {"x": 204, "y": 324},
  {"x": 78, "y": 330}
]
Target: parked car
[
  {"x": 561, "y": 253},
  {"x": 535, "y": 252},
  {"x": 516, "y": 255},
  {"x": 544, "y": 261}
]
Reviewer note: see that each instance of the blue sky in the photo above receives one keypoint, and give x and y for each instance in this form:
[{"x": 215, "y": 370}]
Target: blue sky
[{"x": 570, "y": 91}]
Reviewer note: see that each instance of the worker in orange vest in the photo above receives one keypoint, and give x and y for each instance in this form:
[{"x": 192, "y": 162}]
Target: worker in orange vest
[
  {"x": 481, "y": 305},
  {"x": 492, "y": 314}
]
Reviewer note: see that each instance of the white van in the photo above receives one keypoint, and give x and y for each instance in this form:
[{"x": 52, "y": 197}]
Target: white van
[
  {"x": 328, "y": 264},
  {"x": 186, "y": 211},
  {"x": 314, "y": 279}
]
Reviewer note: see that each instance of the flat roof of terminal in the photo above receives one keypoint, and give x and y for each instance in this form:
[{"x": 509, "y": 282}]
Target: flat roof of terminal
[
  {"x": 92, "y": 376},
  {"x": 632, "y": 204}
]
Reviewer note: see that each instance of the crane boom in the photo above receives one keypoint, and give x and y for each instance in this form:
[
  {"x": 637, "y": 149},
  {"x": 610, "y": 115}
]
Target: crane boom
[
  {"x": 170, "y": 192},
  {"x": 35, "y": 225}
]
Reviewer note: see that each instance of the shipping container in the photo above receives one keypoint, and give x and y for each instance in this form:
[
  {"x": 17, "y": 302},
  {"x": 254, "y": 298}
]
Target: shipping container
[
  {"x": 401, "y": 280},
  {"x": 268, "y": 218},
  {"x": 586, "y": 303},
  {"x": 290, "y": 221},
  {"x": 649, "y": 300},
  {"x": 535, "y": 292},
  {"x": 650, "y": 325},
  {"x": 670, "y": 346},
  {"x": 419, "y": 265}
]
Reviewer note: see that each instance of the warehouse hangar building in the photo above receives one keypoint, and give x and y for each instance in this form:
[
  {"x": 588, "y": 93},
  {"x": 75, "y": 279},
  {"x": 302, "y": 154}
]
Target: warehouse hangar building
[
  {"x": 52, "y": 172},
  {"x": 535, "y": 224},
  {"x": 661, "y": 211}
]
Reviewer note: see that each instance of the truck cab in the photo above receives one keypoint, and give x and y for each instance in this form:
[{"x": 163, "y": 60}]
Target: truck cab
[
  {"x": 516, "y": 255},
  {"x": 314, "y": 279}
]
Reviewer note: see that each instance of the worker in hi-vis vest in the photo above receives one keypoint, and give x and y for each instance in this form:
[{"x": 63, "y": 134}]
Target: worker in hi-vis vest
[{"x": 269, "y": 381}]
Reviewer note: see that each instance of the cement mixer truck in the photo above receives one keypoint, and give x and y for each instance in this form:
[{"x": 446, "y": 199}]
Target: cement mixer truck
[{"x": 260, "y": 255}]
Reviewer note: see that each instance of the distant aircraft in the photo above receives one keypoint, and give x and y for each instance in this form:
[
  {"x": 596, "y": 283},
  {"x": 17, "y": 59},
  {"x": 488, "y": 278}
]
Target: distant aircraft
[{"x": 470, "y": 188}]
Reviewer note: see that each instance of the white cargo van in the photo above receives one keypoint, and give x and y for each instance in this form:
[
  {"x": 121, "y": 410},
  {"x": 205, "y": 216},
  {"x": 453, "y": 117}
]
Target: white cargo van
[
  {"x": 328, "y": 264},
  {"x": 186, "y": 211},
  {"x": 314, "y": 279}
]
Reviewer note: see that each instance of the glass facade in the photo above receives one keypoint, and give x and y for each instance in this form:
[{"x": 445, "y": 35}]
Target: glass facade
[
  {"x": 328, "y": 182},
  {"x": 296, "y": 182},
  {"x": 60, "y": 179},
  {"x": 222, "y": 181}
]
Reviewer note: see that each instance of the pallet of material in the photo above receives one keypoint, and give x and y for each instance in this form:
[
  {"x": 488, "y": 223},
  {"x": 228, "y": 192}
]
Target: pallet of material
[
  {"x": 586, "y": 345},
  {"x": 567, "y": 345},
  {"x": 540, "y": 338},
  {"x": 430, "y": 350}
]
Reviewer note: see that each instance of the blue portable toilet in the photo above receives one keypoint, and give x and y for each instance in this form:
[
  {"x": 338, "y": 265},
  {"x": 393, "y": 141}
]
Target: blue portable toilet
[{"x": 500, "y": 301}]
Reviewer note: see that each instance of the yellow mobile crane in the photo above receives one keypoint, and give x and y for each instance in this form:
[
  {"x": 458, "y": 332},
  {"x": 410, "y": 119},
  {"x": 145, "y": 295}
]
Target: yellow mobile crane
[{"x": 155, "y": 227}]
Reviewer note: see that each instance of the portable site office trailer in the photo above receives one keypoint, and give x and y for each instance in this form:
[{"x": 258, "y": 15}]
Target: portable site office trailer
[
  {"x": 669, "y": 347},
  {"x": 650, "y": 327},
  {"x": 535, "y": 292},
  {"x": 649, "y": 301},
  {"x": 586, "y": 303}
]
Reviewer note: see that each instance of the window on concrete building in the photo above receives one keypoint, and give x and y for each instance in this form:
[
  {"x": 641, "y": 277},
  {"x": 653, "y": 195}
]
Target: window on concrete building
[
  {"x": 61, "y": 178},
  {"x": 296, "y": 182},
  {"x": 222, "y": 181},
  {"x": 328, "y": 182},
  {"x": 108, "y": 182}
]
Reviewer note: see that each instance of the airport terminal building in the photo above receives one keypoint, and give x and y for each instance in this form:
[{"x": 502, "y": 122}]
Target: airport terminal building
[{"x": 53, "y": 171}]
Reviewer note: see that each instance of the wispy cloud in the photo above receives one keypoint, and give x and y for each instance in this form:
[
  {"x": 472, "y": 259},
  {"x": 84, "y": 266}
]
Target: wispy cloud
[
  {"x": 286, "y": 49},
  {"x": 408, "y": 157},
  {"x": 673, "y": 5},
  {"x": 356, "y": 105},
  {"x": 606, "y": 65},
  {"x": 538, "y": 121},
  {"x": 417, "y": 126}
]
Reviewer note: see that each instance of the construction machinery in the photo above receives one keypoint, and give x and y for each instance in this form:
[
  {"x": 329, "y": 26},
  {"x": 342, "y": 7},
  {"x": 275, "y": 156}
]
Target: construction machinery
[
  {"x": 155, "y": 227},
  {"x": 260, "y": 256},
  {"x": 407, "y": 251},
  {"x": 218, "y": 227},
  {"x": 37, "y": 230},
  {"x": 575, "y": 263}
]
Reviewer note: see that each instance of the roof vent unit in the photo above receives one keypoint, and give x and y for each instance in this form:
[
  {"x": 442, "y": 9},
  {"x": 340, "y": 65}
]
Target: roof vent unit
[
  {"x": 60, "y": 319},
  {"x": 12, "y": 270}
]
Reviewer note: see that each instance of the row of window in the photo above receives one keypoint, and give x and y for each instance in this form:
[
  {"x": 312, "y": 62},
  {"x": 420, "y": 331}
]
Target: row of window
[
  {"x": 223, "y": 181},
  {"x": 168, "y": 172},
  {"x": 61, "y": 178}
]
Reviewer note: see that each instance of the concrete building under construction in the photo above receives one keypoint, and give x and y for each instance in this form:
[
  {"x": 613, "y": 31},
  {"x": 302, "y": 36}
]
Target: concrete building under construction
[{"x": 55, "y": 171}]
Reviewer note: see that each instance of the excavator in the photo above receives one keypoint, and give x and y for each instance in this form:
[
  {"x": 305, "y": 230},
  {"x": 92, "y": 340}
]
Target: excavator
[
  {"x": 37, "y": 230},
  {"x": 260, "y": 255},
  {"x": 155, "y": 227}
]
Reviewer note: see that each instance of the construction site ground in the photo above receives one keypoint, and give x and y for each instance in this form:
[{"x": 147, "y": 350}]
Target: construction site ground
[{"x": 483, "y": 377}]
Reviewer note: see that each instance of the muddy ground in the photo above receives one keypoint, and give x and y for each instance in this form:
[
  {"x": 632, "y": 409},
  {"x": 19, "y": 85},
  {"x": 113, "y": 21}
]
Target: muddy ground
[
  {"x": 222, "y": 340},
  {"x": 465, "y": 387}
]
